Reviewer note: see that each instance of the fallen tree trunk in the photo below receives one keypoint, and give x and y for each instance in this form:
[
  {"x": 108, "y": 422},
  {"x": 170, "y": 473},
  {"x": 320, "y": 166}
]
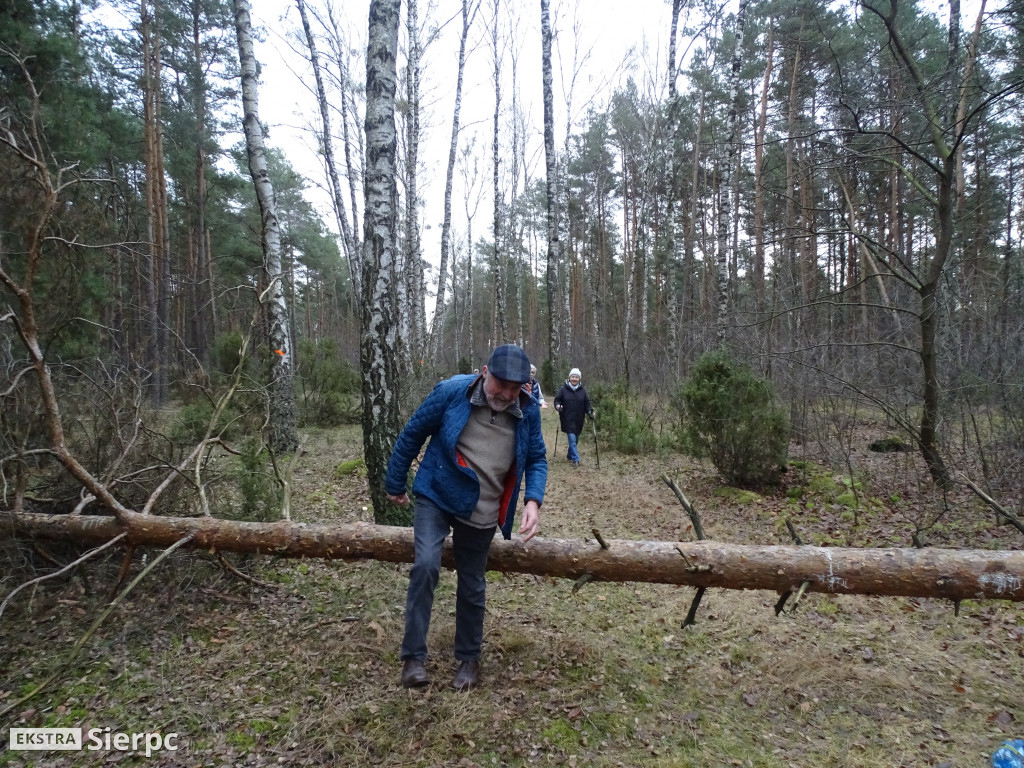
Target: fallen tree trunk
[{"x": 941, "y": 573}]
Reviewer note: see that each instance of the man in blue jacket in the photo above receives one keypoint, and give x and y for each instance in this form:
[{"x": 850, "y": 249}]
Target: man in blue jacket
[{"x": 485, "y": 436}]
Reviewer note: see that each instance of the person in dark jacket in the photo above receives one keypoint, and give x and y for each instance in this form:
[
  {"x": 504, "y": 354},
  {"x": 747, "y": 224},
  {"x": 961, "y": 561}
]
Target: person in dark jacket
[
  {"x": 485, "y": 437},
  {"x": 572, "y": 402}
]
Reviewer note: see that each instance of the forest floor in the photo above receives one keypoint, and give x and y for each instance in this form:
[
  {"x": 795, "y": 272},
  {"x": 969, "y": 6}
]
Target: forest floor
[{"x": 303, "y": 671}]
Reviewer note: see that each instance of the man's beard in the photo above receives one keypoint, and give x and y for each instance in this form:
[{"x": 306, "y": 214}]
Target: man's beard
[{"x": 497, "y": 404}]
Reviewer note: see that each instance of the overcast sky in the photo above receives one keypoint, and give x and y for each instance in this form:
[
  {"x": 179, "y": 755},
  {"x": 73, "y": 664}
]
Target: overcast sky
[{"x": 608, "y": 31}]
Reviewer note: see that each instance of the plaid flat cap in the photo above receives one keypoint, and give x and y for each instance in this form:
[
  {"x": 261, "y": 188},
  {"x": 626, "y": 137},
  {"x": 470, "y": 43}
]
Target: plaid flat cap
[{"x": 510, "y": 363}]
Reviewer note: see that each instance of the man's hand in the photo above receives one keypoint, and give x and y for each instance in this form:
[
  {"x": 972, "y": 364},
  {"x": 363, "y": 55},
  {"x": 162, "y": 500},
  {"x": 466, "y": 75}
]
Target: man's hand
[
  {"x": 531, "y": 521},
  {"x": 401, "y": 500}
]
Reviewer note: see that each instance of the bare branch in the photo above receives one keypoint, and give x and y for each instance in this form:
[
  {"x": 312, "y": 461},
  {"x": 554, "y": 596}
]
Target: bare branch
[
  {"x": 87, "y": 556},
  {"x": 95, "y": 625}
]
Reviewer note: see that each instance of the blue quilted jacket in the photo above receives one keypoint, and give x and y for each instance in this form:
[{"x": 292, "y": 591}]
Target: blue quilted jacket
[{"x": 440, "y": 478}]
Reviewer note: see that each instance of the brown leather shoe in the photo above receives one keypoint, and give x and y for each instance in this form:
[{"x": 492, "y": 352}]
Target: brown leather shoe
[
  {"x": 468, "y": 676},
  {"x": 414, "y": 674}
]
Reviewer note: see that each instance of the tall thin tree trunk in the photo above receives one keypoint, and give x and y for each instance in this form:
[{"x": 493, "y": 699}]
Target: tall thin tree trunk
[
  {"x": 689, "y": 260},
  {"x": 413, "y": 262},
  {"x": 551, "y": 268},
  {"x": 762, "y": 121},
  {"x": 378, "y": 342},
  {"x": 156, "y": 266},
  {"x": 498, "y": 270},
  {"x": 352, "y": 172},
  {"x": 946, "y": 144},
  {"x": 327, "y": 144},
  {"x": 284, "y": 436},
  {"x": 727, "y": 189},
  {"x": 446, "y": 225},
  {"x": 674, "y": 222}
]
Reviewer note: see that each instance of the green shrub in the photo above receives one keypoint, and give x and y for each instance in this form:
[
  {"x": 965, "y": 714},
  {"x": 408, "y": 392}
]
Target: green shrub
[
  {"x": 730, "y": 415},
  {"x": 190, "y": 423},
  {"x": 259, "y": 495},
  {"x": 329, "y": 386},
  {"x": 625, "y": 421},
  {"x": 226, "y": 352}
]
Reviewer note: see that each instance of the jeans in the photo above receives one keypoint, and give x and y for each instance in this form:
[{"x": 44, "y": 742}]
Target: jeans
[
  {"x": 573, "y": 454},
  {"x": 471, "y": 545}
]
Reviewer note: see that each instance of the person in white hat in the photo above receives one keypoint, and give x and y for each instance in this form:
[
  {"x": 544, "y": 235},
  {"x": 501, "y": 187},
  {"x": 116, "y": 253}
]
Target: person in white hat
[{"x": 572, "y": 402}]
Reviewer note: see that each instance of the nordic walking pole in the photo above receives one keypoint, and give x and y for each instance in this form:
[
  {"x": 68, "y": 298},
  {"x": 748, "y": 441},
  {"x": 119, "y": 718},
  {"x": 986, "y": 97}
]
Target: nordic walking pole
[
  {"x": 597, "y": 454},
  {"x": 554, "y": 451}
]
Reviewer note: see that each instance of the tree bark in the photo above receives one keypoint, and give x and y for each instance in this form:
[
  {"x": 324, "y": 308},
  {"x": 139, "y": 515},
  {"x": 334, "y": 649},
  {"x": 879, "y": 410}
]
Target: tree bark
[
  {"x": 554, "y": 331},
  {"x": 284, "y": 435},
  {"x": 939, "y": 573},
  {"x": 729, "y": 191},
  {"x": 757, "y": 268},
  {"x": 412, "y": 266},
  {"x": 498, "y": 266},
  {"x": 156, "y": 256},
  {"x": 378, "y": 348}
]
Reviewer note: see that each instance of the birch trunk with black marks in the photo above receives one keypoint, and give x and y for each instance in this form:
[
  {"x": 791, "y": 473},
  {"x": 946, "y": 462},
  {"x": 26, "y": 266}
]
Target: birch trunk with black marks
[
  {"x": 283, "y": 429},
  {"x": 378, "y": 350}
]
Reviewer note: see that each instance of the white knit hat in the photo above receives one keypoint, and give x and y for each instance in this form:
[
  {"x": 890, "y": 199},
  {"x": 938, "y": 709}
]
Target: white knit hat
[{"x": 575, "y": 372}]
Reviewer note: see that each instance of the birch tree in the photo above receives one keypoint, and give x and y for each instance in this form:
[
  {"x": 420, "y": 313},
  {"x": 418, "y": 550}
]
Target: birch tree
[
  {"x": 327, "y": 145},
  {"x": 354, "y": 160},
  {"x": 282, "y": 423},
  {"x": 378, "y": 334},
  {"x": 469, "y": 11},
  {"x": 412, "y": 263}
]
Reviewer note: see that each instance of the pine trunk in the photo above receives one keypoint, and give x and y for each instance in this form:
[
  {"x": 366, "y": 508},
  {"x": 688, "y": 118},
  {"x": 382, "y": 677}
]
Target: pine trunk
[
  {"x": 728, "y": 189},
  {"x": 953, "y": 574}
]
